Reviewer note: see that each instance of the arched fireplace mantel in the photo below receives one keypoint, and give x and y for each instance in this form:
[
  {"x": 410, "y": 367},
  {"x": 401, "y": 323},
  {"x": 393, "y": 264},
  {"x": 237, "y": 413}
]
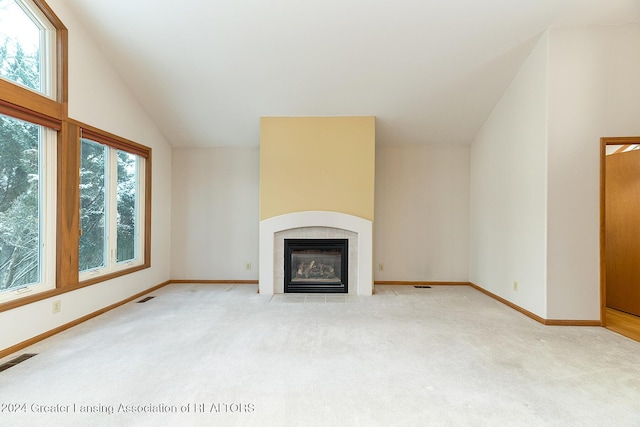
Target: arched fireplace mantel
[{"x": 335, "y": 220}]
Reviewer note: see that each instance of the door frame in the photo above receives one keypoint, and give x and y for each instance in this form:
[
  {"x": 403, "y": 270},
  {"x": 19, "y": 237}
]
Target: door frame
[{"x": 604, "y": 141}]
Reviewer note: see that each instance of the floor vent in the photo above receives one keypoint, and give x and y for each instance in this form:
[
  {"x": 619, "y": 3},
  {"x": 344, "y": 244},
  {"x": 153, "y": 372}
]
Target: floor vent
[
  {"x": 13, "y": 362},
  {"x": 145, "y": 299},
  {"x": 422, "y": 287}
]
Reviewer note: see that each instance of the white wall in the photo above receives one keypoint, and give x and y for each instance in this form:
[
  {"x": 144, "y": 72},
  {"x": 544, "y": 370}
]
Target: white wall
[
  {"x": 215, "y": 224},
  {"x": 98, "y": 97},
  {"x": 508, "y": 190},
  {"x": 421, "y": 222},
  {"x": 589, "y": 76},
  {"x": 594, "y": 91}
]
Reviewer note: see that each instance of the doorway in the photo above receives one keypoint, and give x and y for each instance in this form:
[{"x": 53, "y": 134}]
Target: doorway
[{"x": 620, "y": 235}]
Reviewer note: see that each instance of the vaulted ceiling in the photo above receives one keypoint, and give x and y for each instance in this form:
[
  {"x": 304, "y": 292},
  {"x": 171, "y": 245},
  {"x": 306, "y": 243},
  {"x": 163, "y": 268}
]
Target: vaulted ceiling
[{"x": 429, "y": 70}]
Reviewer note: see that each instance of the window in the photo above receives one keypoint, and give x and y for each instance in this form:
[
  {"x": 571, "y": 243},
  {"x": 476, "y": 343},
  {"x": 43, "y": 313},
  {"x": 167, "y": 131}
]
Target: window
[
  {"x": 28, "y": 147},
  {"x": 27, "y": 207},
  {"x": 43, "y": 180},
  {"x": 111, "y": 209},
  {"x": 127, "y": 207},
  {"x": 93, "y": 205},
  {"x": 27, "y": 47}
]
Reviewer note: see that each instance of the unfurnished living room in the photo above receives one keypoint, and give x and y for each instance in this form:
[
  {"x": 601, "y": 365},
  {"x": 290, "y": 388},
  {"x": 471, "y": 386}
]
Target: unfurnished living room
[{"x": 351, "y": 213}]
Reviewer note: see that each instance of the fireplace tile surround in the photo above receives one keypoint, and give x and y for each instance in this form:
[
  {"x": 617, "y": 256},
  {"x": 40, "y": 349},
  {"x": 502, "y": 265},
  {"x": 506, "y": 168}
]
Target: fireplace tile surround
[{"x": 316, "y": 224}]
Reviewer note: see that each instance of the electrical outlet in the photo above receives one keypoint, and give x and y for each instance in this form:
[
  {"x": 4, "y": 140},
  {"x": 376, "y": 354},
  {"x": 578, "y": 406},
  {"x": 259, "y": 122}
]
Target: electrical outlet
[
  {"x": 380, "y": 267},
  {"x": 515, "y": 285},
  {"x": 248, "y": 266},
  {"x": 56, "y": 307}
]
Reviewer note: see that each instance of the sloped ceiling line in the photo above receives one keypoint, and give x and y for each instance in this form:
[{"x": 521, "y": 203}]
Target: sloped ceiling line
[{"x": 430, "y": 71}]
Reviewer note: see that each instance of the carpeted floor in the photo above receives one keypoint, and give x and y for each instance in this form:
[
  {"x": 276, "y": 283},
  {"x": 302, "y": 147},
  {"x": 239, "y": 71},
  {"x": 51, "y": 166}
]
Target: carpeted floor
[{"x": 225, "y": 355}]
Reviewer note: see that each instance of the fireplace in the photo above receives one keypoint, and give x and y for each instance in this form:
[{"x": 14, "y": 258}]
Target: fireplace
[
  {"x": 316, "y": 265},
  {"x": 316, "y": 225}
]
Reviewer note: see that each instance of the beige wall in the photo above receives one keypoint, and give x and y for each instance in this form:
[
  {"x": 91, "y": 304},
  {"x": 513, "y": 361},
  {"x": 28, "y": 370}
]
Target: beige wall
[
  {"x": 421, "y": 213},
  {"x": 214, "y": 216},
  {"x": 317, "y": 163},
  {"x": 421, "y": 232}
]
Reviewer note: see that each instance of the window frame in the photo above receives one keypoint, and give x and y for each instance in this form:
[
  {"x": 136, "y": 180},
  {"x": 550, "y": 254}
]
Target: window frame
[
  {"x": 23, "y": 103},
  {"x": 22, "y": 98},
  {"x": 47, "y": 201},
  {"x": 48, "y": 45},
  {"x": 144, "y": 215},
  {"x": 112, "y": 265}
]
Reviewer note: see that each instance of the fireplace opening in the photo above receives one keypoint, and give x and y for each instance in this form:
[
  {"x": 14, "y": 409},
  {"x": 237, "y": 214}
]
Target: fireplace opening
[{"x": 316, "y": 265}]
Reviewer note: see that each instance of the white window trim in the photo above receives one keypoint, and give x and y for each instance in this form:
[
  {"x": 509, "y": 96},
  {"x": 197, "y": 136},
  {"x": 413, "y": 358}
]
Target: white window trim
[{"x": 48, "y": 198}]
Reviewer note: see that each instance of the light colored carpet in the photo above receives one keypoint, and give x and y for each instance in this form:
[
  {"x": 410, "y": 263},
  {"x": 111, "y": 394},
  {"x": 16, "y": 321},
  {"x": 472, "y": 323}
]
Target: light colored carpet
[{"x": 446, "y": 356}]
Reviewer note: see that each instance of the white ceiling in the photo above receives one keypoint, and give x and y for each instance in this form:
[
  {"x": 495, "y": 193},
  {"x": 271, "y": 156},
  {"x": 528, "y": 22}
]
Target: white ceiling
[{"x": 429, "y": 70}]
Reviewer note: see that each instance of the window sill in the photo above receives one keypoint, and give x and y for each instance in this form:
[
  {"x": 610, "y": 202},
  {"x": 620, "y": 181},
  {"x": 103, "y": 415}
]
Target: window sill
[{"x": 30, "y": 299}]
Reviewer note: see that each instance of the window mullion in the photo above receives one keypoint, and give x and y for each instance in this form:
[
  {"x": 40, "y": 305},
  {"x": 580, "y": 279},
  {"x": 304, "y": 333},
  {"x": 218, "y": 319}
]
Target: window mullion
[
  {"x": 49, "y": 162},
  {"x": 112, "y": 207},
  {"x": 140, "y": 206}
]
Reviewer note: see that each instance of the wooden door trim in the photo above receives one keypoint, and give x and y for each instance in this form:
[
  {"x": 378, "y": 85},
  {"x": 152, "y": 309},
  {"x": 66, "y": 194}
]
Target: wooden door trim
[{"x": 604, "y": 141}]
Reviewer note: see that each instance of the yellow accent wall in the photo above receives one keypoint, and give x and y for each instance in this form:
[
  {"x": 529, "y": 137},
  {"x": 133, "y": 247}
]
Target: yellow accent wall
[{"x": 317, "y": 163}]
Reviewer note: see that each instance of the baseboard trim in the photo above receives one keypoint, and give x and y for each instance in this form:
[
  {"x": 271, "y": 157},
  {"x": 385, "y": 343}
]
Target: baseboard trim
[
  {"x": 509, "y": 304},
  {"x": 215, "y": 282},
  {"x": 548, "y": 322},
  {"x": 560, "y": 322},
  {"x": 24, "y": 344},
  {"x": 622, "y": 323},
  {"x": 418, "y": 283}
]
